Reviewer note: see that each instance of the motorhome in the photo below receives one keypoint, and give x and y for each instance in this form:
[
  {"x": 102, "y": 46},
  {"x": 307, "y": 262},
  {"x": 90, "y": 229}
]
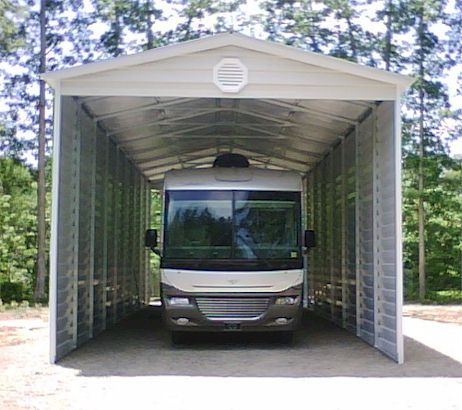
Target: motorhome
[{"x": 231, "y": 249}]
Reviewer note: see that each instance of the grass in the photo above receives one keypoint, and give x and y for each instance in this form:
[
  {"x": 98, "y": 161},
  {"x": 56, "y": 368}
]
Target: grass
[
  {"x": 446, "y": 297},
  {"x": 439, "y": 297},
  {"x": 25, "y": 304}
]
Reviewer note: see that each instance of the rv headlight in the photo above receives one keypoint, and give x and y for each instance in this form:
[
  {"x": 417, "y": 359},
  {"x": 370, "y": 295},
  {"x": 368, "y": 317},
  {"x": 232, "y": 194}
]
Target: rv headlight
[
  {"x": 178, "y": 301},
  {"x": 286, "y": 300}
]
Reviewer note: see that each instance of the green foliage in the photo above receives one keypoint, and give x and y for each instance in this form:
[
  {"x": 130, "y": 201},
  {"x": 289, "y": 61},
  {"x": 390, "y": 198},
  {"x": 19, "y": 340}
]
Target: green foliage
[
  {"x": 11, "y": 291},
  {"x": 18, "y": 230},
  {"x": 406, "y": 37},
  {"x": 154, "y": 260}
]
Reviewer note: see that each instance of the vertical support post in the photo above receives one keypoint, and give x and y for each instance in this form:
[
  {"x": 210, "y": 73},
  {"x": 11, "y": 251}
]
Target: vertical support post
[
  {"x": 312, "y": 226},
  {"x": 304, "y": 210},
  {"x": 357, "y": 233},
  {"x": 343, "y": 235},
  {"x": 91, "y": 270},
  {"x": 105, "y": 206},
  {"x": 123, "y": 234},
  {"x": 398, "y": 228},
  {"x": 147, "y": 256},
  {"x": 140, "y": 238},
  {"x": 116, "y": 210},
  {"x": 54, "y": 240},
  {"x": 376, "y": 221},
  {"x": 330, "y": 227},
  {"x": 324, "y": 228},
  {"x": 75, "y": 301}
]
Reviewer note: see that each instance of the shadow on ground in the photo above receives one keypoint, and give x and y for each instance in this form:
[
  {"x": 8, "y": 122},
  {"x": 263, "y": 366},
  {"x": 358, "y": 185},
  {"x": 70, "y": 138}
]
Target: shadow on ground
[{"x": 140, "y": 346}]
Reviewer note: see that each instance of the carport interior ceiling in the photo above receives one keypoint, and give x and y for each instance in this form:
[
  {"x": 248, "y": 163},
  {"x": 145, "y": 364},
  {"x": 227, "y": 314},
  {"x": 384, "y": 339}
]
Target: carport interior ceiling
[
  {"x": 121, "y": 124},
  {"x": 160, "y": 134}
]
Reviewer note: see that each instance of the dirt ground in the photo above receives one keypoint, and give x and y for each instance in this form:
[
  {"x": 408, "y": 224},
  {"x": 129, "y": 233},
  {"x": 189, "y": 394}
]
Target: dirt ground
[
  {"x": 444, "y": 313},
  {"x": 134, "y": 364}
]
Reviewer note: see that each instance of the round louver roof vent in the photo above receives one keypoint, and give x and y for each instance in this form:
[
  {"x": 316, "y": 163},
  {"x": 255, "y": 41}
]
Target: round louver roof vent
[{"x": 230, "y": 75}]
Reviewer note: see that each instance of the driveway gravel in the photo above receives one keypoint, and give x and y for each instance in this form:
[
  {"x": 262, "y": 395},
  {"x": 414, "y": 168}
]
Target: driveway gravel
[{"x": 134, "y": 364}]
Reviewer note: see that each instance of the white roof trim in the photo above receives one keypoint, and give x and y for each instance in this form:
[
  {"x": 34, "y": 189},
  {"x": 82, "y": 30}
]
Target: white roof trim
[{"x": 230, "y": 39}]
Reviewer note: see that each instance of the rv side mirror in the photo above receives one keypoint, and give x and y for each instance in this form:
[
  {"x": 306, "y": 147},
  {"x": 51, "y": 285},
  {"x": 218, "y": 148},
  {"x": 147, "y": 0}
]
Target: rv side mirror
[
  {"x": 150, "y": 239},
  {"x": 310, "y": 239}
]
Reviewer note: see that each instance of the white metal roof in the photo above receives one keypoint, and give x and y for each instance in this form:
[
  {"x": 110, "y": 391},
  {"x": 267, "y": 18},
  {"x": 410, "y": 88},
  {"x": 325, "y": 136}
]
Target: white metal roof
[
  {"x": 225, "y": 40},
  {"x": 165, "y": 109}
]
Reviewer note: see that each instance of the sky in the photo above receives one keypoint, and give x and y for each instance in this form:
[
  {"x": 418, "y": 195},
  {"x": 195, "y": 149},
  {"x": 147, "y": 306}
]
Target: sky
[{"x": 252, "y": 8}]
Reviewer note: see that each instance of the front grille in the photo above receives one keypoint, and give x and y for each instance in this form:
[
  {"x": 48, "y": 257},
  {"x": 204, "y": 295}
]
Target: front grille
[{"x": 217, "y": 308}]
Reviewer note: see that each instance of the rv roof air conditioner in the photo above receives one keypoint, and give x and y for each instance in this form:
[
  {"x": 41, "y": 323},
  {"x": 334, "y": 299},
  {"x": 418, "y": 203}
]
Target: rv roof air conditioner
[{"x": 230, "y": 160}]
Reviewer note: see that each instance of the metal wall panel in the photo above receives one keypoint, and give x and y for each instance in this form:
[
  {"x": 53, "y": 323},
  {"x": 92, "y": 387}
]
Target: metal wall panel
[
  {"x": 99, "y": 230},
  {"x": 100, "y": 234},
  {"x": 310, "y": 224},
  {"x": 349, "y": 258},
  {"x": 365, "y": 240},
  {"x": 67, "y": 252},
  {"x": 86, "y": 210},
  {"x": 352, "y": 277},
  {"x": 112, "y": 237},
  {"x": 338, "y": 241},
  {"x": 386, "y": 295}
]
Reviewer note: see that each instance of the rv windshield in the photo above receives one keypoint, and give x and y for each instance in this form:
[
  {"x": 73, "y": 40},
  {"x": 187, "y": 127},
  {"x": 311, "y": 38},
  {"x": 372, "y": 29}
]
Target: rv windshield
[{"x": 232, "y": 225}]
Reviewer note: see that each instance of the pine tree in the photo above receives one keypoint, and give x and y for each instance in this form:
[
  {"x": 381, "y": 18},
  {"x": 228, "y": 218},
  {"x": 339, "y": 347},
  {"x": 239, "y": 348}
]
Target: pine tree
[
  {"x": 427, "y": 111},
  {"x": 352, "y": 41},
  {"x": 39, "y": 291},
  {"x": 297, "y": 23},
  {"x": 396, "y": 19},
  {"x": 11, "y": 38},
  {"x": 193, "y": 13},
  {"x": 55, "y": 35}
]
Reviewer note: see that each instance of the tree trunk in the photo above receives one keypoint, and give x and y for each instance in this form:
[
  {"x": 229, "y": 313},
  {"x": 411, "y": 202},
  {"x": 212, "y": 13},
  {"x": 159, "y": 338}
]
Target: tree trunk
[
  {"x": 149, "y": 35},
  {"x": 388, "y": 35},
  {"x": 421, "y": 209},
  {"x": 354, "y": 48},
  {"x": 39, "y": 292}
]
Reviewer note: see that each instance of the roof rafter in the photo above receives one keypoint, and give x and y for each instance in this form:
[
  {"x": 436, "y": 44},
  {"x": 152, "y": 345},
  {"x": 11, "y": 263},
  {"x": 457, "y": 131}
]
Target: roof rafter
[
  {"x": 141, "y": 108},
  {"x": 319, "y": 113}
]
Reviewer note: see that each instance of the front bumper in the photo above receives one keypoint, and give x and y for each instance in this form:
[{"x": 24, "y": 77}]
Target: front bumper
[{"x": 198, "y": 321}]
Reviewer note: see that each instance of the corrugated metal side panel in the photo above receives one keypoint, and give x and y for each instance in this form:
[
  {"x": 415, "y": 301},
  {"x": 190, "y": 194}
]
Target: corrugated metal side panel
[
  {"x": 147, "y": 222},
  {"x": 332, "y": 213},
  {"x": 310, "y": 221},
  {"x": 68, "y": 192},
  {"x": 365, "y": 230},
  {"x": 121, "y": 234},
  {"x": 130, "y": 280},
  {"x": 352, "y": 274},
  {"x": 134, "y": 239},
  {"x": 85, "y": 228},
  {"x": 100, "y": 235},
  {"x": 100, "y": 257},
  {"x": 349, "y": 261},
  {"x": 112, "y": 237},
  {"x": 141, "y": 249},
  {"x": 329, "y": 235},
  {"x": 320, "y": 272},
  {"x": 337, "y": 242},
  {"x": 385, "y": 222}
]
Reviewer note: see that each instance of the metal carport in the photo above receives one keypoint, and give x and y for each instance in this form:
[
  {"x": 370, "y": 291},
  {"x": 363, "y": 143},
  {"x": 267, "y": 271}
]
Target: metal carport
[{"x": 120, "y": 124}]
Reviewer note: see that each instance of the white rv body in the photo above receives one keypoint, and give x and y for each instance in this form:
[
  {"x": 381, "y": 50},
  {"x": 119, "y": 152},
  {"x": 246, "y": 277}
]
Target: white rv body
[{"x": 236, "y": 286}]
